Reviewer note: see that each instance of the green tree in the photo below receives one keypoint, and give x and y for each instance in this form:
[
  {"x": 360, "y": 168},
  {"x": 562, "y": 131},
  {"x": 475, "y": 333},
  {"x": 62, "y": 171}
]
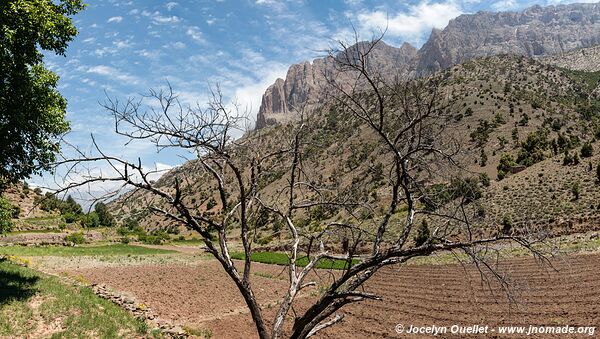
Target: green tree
[
  {"x": 534, "y": 148},
  {"x": 71, "y": 206},
  {"x": 6, "y": 212},
  {"x": 32, "y": 111},
  {"x": 104, "y": 216},
  {"x": 423, "y": 233},
  {"x": 507, "y": 161},
  {"x": 91, "y": 220}
]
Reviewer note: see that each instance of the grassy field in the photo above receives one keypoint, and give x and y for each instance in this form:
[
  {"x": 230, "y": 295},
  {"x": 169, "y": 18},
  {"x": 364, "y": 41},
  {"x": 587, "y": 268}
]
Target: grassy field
[
  {"x": 277, "y": 258},
  {"x": 35, "y": 305},
  {"x": 103, "y": 250}
]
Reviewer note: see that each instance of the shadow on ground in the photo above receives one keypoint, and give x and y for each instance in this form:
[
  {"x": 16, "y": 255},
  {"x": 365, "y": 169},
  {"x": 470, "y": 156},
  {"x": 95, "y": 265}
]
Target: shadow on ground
[{"x": 14, "y": 285}]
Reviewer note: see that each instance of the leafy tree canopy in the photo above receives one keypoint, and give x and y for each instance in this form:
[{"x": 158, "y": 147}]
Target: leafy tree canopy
[{"x": 32, "y": 111}]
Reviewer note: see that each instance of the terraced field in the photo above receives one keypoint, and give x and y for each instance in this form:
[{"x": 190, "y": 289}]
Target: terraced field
[{"x": 197, "y": 295}]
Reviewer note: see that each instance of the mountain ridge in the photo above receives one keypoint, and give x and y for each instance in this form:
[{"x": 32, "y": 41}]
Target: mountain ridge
[{"x": 535, "y": 32}]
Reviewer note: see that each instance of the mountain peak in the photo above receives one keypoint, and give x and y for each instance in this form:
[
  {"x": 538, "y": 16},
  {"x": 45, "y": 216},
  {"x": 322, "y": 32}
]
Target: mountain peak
[{"x": 536, "y": 31}]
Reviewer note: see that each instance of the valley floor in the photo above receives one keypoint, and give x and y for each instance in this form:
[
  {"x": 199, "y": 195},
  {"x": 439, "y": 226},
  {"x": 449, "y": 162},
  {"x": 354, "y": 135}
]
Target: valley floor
[{"x": 190, "y": 289}]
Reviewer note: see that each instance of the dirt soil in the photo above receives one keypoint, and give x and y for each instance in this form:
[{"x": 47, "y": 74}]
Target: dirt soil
[{"x": 202, "y": 297}]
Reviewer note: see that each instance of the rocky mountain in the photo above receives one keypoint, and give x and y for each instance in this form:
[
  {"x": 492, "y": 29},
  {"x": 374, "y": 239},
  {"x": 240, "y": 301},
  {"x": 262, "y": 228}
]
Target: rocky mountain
[
  {"x": 305, "y": 82},
  {"x": 537, "y": 31},
  {"x": 585, "y": 59},
  {"x": 504, "y": 105}
]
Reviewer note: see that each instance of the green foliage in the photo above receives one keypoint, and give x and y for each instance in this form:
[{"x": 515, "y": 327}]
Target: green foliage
[
  {"x": 71, "y": 218},
  {"x": 506, "y": 224},
  {"x": 482, "y": 133},
  {"x": 423, "y": 233},
  {"x": 576, "y": 190},
  {"x": 277, "y": 258},
  {"x": 157, "y": 237},
  {"x": 104, "y": 216},
  {"x": 524, "y": 120},
  {"x": 87, "y": 250},
  {"x": 32, "y": 110},
  {"x": 211, "y": 203},
  {"x": 484, "y": 179},
  {"x": 533, "y": 149},
  {"x": 83, "y": 313},
  {"x": 91, "y": 220},
  {"x": 587, "y": 150},
  {"x": 507, "y": 161},
  {"x": 6, "y": 213},
  {"x": 483, "y": 158},
  {"x": 438, "y": 195},
  {"x": 75, "y": 238},
  {"x": 69, "y": 208},
  {"x": 567, "y": 159}
]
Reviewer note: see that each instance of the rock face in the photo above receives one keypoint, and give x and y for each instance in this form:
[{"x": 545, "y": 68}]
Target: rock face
[
  {"x": 537, "y": 31},
  {"x": 304, "y": 83},
  {"x": 585, "y": 59}
]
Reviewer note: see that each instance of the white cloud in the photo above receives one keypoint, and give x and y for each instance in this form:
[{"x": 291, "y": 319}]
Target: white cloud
[
  {"x": 159, "y": 19},
  {"x": 116, "y": 19},
  {"x": 121, "y": 44},
  {"x": 113, "y": 73},
  {"x": 195, "y": 33},
  {"x": 505, "y": 5},
  {"x": 175, "y": 45},
  {"x": 415, "y": 22},
  {"x": 249, "y": 95},
  {"x": 171, "y": 5}
]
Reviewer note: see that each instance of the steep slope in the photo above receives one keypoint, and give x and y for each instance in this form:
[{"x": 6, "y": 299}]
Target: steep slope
[
  {"x": 537, "y": 31},
  {"x": 500, "y": 102},
  {"x": 584, "y": 59},
  {"x": 305, "y": 83}
]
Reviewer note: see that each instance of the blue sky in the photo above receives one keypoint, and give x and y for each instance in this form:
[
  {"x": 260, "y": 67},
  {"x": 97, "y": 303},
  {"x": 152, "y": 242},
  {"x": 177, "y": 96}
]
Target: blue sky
[{"x": 126, "y": 47}]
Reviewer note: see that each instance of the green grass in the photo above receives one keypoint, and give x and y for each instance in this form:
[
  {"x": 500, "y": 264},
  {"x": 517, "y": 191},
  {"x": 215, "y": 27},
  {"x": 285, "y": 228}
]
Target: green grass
[
  {"x": 34, "y": 231},
  {"x": 277, "y": 258},
  {"x": 103, "y": 250},
  {"x": 32, "y": 303}
]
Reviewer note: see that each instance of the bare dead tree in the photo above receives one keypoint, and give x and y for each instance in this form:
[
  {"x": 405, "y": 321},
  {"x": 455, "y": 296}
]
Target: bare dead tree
[{"x": 405, "y": 119}]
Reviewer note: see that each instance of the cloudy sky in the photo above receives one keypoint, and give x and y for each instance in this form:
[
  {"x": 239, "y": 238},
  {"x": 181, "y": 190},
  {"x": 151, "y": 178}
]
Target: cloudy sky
[{"x": 126, "y": 47}]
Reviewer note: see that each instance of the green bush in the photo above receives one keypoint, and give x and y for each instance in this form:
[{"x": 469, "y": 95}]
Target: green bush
[
  {"x": 104, "y": 216},
  {"x": 423, "y": 233},
  {"x": 6, "y": 213},
  {"x": 587, "y": 150},
  {"x": 70, "y": 217},
  {"x": 91, "y": 220},
  {"x": 75, "y": 238},
  {"x": 157, "y": 237},
  {"x": 576, "y": 190}
]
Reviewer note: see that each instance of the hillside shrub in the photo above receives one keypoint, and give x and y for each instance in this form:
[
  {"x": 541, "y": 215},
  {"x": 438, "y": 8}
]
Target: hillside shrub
[
  {"x": 75, "y": 238},
  {"x": 587, "y": 150},
  {"x": 507, "y": 161},
  {"x": 423, "y": 233},
  {"x": 576, "y": 190}
]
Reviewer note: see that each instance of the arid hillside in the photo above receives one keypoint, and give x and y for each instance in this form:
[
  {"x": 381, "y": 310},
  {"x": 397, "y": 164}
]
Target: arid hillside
[{"x": 520, "y": 109}]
